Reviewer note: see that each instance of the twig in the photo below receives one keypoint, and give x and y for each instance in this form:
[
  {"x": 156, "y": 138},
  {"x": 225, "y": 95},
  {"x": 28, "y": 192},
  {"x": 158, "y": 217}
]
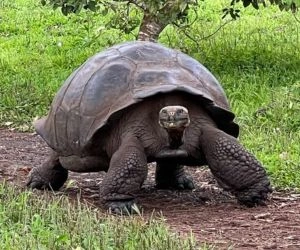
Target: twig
[
  {"x": 186, "y": 34},
  {"x": 296, "y": 18},
  {"x": 205, "y": 37},
  {"x": 138, "y": 5},
  {"x": 220, "y": 27}
]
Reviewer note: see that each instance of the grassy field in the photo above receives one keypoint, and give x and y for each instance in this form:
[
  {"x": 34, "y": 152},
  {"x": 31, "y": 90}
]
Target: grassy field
[
  {"x": 257, "y": 60},
  {"x": 52, "y": 222}
]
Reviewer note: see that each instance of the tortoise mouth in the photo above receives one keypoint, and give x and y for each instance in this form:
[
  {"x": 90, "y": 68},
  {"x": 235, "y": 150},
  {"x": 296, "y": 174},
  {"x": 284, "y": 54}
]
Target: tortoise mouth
[
  {"x": 175, "y": 125},
  {"x": 174, "y": 118}
]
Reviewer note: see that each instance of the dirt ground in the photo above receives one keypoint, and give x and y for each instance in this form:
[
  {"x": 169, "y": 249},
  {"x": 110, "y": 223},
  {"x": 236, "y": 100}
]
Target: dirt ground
[{"x": 211, "y": 214}]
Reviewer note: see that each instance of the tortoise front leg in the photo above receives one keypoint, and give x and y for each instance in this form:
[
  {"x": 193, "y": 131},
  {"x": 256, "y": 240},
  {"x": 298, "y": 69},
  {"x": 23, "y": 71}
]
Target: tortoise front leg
[
  {"x": 50, "y": 175},
  {"x": 234, "y": 167},
  {"x": 125, "y": 176},
  {"x": 170, "y": 175}
]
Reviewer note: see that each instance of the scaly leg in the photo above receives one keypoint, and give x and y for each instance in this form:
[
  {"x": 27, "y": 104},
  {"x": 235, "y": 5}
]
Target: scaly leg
[
  {"x": 50, "y": 175},
  {"x": 234, "y": 167},
  {"x": 126, "y": 174}
]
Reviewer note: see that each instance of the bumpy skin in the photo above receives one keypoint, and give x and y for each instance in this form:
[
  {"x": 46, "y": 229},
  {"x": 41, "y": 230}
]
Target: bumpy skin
[
  {"x": 127, "y": 172},
  {"x": 50, "y": 175},
  {"x": 234, "y": 167}
]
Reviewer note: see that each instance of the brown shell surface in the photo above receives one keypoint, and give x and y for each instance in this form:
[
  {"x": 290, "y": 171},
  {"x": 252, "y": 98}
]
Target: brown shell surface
[{"x": 117, "y": 78}]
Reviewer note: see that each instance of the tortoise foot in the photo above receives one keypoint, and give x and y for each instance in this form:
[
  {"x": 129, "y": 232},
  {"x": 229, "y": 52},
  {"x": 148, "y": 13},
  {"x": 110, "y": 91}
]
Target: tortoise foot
[
  {"x": 35, "y": 180},
  {"x": 122, "y": 207},
  {"x": 254, "y": 196},
  {"x": 169, "y": 176},
  {"x": 179, "y": 183},
  {"x": 38, "y": 178}
]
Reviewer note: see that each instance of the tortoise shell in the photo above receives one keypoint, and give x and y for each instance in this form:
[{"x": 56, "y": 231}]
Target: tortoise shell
[{"x": 119, "y": 77}]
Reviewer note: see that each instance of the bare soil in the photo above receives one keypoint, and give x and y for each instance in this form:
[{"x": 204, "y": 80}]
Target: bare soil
[{"x": 210, "y": 213}]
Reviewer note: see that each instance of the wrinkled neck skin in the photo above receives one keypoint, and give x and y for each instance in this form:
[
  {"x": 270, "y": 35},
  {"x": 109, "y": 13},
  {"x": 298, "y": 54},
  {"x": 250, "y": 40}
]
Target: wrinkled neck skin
[
  {"x": 141, "y": 121},
  {"x": 175, "y": 138}
]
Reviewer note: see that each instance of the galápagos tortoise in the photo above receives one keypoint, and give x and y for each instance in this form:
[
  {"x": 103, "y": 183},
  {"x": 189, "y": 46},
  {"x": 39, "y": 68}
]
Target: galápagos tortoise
[{"x": 141, "y": 102}]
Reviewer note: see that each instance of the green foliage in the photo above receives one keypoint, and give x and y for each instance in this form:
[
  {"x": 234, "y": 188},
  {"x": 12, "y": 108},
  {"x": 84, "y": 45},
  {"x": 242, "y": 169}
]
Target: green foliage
[
  {"x": 166, "y": 11},
  {"x": 154, "y": 6},
  {"x": 28, "y": 222},
  {"x": 283, "y": 5}
]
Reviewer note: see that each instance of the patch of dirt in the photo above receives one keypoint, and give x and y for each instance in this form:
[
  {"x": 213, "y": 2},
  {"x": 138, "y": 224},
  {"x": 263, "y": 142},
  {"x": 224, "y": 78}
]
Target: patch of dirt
[{"x": 210, "y": 213}]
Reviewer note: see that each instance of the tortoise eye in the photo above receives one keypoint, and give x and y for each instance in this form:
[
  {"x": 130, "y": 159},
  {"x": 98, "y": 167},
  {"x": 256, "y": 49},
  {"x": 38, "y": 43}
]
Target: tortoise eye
[
  {"x": 164, "y": 112},
  {"x": 179, "y": 111}
]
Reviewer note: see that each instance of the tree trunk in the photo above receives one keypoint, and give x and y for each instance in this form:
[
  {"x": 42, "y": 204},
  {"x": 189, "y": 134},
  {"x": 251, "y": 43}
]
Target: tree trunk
[{"x": 150, "y": 28}]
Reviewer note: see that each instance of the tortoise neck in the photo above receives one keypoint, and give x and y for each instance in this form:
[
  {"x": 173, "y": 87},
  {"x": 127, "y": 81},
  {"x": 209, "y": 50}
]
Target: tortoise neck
[{"x": 175, "y": 138}]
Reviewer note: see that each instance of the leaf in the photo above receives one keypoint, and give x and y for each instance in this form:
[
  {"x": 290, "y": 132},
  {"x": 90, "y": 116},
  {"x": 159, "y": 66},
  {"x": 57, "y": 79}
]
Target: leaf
[
  {"x": 224, "y": 15},
  {"x": 62, "y": 238},
  {"x": 263, "y": 3},
  {"x": 232, "y": 14},
  {"x": 78, "y": 6},
  {"x": 92, "y": 5},
  {"x": 43, "y": 2},
  {"x": 226, "y": 12},
  {"x": 104, "y": 12},
  {"x": 55, "y": 6},
  {"x": 67, "y": 9},
  {"x": 246, "y": 3},
  {"x": 294, "y": 8},
  {"x": 64, "y": 10},
  {"x": 255, "y": 4},
  {"x": 8, "y": 123},
  {"x": 71, "y": 184},
  {"x": 183, "y": 6},
  {"x": 281, "y": 7}
]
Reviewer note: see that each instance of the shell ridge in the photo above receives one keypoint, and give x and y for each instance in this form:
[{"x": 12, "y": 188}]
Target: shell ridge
[
  {"x": 82, "y": 94},
  {"x": 68, "y": 117},
  {"x": 60, "y": 103}
]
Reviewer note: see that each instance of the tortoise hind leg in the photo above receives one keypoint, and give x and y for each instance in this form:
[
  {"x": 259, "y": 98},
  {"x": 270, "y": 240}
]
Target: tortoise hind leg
[
  {"x": 234, "y": 167},
  {"x": 50, "y": 175},
  {"x": 170, "y": 175}
]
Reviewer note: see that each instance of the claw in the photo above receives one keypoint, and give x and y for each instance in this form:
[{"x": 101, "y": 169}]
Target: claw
[
  {"x": 254, "y": 197},
  {"x": 35, "y": 180},
  {"x": 51, "y": 180},
  {"x": 128, "y": 207},
  {"x": 180, "y": 183},
  {"x": 185, "y": 182}
]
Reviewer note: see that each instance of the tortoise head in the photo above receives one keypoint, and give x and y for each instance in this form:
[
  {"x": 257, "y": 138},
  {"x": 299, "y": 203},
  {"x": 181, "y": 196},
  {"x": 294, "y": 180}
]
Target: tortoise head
[{"x": 174, "y": 118}]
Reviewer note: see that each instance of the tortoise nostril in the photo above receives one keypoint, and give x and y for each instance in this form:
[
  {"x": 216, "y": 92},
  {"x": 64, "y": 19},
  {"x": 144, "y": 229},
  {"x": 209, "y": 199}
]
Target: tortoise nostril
[{"x": 171, "y": 119}]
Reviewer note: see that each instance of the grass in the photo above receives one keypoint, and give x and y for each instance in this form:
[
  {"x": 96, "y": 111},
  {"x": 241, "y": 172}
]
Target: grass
[{"x": 28, "y": 222}]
